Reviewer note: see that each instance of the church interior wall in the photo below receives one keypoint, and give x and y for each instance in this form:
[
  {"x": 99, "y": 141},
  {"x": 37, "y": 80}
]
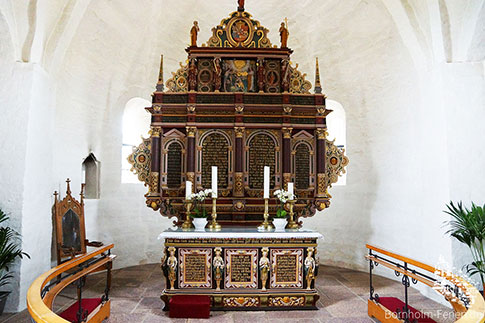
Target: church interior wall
[{"x": 413, "y": 133}]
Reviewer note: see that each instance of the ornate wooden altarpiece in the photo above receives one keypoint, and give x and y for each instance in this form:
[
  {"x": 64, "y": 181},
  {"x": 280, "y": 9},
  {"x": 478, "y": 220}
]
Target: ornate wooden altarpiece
[{"x": 238, "y": 103}]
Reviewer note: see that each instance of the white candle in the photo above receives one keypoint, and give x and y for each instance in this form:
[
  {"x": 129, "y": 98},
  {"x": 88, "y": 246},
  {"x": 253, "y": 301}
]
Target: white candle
[
  {"x": 214, "y": 181},
  {"x": 290, "y": 190},
  {"x": 266, "y": 182},
  {"x": 188, "y": 189}
]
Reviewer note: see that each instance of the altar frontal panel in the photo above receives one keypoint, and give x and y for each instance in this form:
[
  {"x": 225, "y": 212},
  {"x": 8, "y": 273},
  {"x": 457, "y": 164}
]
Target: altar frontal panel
[
  {"x": 195, "y": 264},
  {"x": 241, "y": 264},
  {"x": 287, "y": 267}
]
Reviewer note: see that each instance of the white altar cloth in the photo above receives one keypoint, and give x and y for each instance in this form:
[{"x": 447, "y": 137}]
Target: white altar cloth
[{"x": 239, "y": 232}]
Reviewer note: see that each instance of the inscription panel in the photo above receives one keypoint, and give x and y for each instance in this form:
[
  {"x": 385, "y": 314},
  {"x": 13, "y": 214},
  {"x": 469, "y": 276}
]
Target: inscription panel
[
  {"x": 174, "y": 165},
  {"x": 215, "y": 152},
  {"x": 261, "y": 153},
  {"x": 195, "y": 268},
  {"x": 241, "y": 267},
  {"x": 287, "y": 268},
  {"x": 302, "y": 166}
]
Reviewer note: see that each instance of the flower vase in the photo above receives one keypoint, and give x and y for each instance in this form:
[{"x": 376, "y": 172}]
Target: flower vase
[
  {"x": 200, "y": 223},
  {"x": 280, "y": 224}
]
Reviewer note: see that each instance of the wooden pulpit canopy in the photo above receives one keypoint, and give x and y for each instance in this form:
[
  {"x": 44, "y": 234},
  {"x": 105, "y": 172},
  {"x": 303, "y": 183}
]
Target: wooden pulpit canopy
[
  {"x": 70, "y": 230},
  {"x": 238, "y": 104}
]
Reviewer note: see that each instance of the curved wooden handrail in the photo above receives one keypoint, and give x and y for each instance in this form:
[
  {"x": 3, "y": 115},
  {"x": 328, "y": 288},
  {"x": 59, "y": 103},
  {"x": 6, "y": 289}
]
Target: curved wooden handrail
[
  {"x": 38, "y": 309},
  {"x": 475, "y": 312}
]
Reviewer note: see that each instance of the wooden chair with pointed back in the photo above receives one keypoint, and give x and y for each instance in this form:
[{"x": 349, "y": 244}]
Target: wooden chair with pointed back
[{"x": 70, "y": 229}]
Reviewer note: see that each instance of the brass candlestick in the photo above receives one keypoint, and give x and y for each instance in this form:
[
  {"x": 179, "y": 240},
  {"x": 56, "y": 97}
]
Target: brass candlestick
[
  {"x": 267, "y": 224},
  {"x": 291, "y": 223},
  {"x": 214, "y": 226},
  {"x": 187, "y": 225}
]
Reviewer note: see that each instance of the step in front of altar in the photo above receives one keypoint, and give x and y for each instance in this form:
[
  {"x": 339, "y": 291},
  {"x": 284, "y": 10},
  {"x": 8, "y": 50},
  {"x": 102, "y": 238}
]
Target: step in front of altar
[{"x": 257, "y": 300}]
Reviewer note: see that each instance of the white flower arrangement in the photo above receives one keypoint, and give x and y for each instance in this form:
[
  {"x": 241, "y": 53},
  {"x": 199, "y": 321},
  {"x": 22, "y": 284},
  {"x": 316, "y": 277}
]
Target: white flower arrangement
[
  {"x": 201, "y": 195},
  {"x": 283, "y": 196}
]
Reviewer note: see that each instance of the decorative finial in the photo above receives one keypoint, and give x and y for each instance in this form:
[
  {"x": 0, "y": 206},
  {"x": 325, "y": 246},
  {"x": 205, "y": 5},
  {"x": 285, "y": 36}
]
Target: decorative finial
[
  {"x": 240, "y": 5},
  {"x": 68, "y": 191},
  {"x": 82, "y": 192},
  {"x": 160, "y": 76},
  {"x": 318, "y": 85}
]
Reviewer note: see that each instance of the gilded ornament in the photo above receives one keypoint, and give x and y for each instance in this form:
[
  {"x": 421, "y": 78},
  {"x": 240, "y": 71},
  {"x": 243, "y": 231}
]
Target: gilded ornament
[
  {"x": 321, "y": 110},
  {"x": 140, "y": 161},
  {"x": 286, "y": 132},
  {"x": 239, "y": 109},
  {"x": 298, "y": 83},
  {"x": 191, "y": 108},
  {"x": 321, "y": 133},
  {"x": 179, "y": 80},
  {"x": 239, "y": 131},
  {"x": 191, "y": 131},
  {"x": 155, "y": 131},
  {"x": 287, "y": 109}
]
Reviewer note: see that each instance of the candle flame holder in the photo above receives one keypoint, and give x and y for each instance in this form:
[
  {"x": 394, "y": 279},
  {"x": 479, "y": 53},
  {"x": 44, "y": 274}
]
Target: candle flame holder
[
  {"x": 214, "y": 226},
  {"x": 187, "y": 225},
  {"x": 291, "y": 222},
  {"x": 267, "y": 224}
]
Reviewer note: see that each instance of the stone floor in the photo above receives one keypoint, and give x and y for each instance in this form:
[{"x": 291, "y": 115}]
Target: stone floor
[{"x": 136, "y": 290}]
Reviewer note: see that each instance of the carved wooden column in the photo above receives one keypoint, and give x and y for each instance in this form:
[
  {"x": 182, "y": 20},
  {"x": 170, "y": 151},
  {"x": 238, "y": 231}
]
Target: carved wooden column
[
  {"x": 285, "y": 75},
  {"x": 239, "y": 155},
  {"x": 261, "y": 74},
  {"x": 154, "y": 186},
  {"x": 321, "y": 135},
  {"x": 192, "y": 75},
  {"x": 286, "y": 156},
  {"x": 191, "y": 155}
]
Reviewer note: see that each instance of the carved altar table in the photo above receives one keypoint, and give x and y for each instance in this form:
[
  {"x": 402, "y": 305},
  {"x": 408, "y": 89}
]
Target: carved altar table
[{"x": 241, "y": 268}]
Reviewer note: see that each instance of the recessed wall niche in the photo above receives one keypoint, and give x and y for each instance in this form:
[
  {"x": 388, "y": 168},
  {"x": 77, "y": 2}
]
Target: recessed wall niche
[{"x": 91, "y": 177}]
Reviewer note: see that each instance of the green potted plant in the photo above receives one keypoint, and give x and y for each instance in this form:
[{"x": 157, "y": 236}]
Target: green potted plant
[
  {"x": 468, "y": 227},
  {"x": 9, "y": 251},
  {"x": 279, "y": 219},
  {"x": 199, "y": 214}
]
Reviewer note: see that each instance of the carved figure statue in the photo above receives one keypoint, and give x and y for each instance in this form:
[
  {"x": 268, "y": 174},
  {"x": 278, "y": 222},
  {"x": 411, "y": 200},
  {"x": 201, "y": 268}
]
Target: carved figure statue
[
  {"x": 172, "y": 267},
  {"x": 193, "y": 34},
  {"x": 163, "y": 265},
  {"x": 218, "y": 267},
  {"x": 241, "y": 5},
  {"x": 217, "y": 74},
  {"x": 264, "y": 268},
  {"x": 309, "y": 268},
  {"x": 284, "y": 35}
]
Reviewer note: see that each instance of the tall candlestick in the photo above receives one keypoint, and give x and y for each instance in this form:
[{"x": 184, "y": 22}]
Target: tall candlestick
[
  {"x": 291, "y": 190},
  {"x": 214, "y": 181},
  {"x": 266, "y": 182},
  {"x": 188, "y": 189}
]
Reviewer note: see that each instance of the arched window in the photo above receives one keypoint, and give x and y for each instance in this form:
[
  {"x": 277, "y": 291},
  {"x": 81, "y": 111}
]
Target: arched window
[
  {"x": 336, "y": 125},
  {"x": 91, "y": 177},
  {"x": 136, "y": 123}
]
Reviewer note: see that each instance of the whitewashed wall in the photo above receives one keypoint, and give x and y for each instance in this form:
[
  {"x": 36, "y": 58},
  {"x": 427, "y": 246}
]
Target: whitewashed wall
[{"x": 409, "y": 77}]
